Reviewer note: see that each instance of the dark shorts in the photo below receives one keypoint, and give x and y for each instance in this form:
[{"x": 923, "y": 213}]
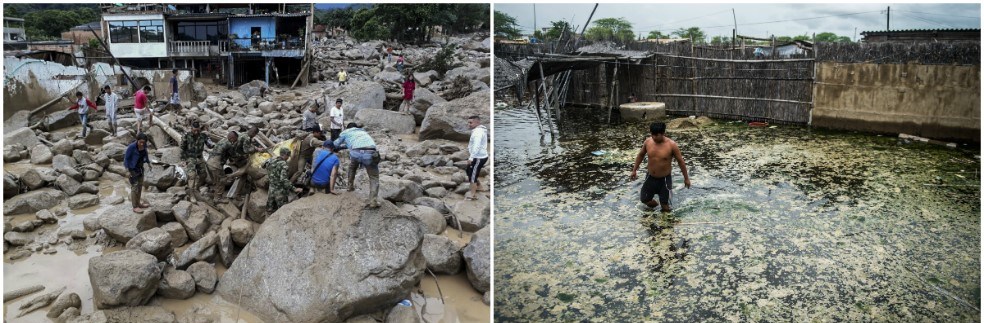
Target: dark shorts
[
  {"x": 335, "y": 133},
  {"x": 475, "y": 168},
  {"x": 661, "y": 186}
]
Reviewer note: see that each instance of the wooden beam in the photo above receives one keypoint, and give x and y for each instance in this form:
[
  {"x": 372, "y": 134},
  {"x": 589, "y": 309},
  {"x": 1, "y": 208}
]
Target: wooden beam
[
  {"x": 730, "y": 98},
  {"x": 743, "y": 61}
]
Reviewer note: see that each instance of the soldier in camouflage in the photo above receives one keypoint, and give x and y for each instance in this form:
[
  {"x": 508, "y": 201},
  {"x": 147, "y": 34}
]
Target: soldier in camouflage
[
  {"x": 192, "y": 146},
  {"x": 280, "y": 186}
]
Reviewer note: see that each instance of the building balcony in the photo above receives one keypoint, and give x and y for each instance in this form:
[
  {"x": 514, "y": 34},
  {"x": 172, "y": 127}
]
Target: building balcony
[
  {"x": 277, "y": 47},
  {"x": 196, "y": 48}
]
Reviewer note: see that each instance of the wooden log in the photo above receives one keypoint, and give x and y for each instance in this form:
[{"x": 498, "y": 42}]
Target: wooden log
[
  {"x": 167, "y": 129},
  {"x": 21, "y": 292}
]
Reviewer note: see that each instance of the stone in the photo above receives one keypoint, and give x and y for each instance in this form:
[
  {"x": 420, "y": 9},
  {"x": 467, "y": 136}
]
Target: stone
[
  {"x": 11, "y": 185},
  {"x": 423, "y": 99},
  {"x": 12, "y": 153},
  {"x": 379, "y": 119},
  {"x": 477, "y": 256},
  {"x": 256, "y": 210},
  {"x": 95, "y": 136},
  {"x": 121, "y": 224},
  {"x": 402, "y": 314},
  {"x": 449, "y": 120},
  {"x": 38, "y": 177},
  {"x": 224, "y": 247},
  {"x": 473, "y": 215},
  {"x": 115, "y": 151},
  {"x": 252, "y": 88},
  {"x": 63, "y": 147},
  {"x": 357, "y": 95},
  {"x": 41, "y": 154},
  {"x": 18, "y": 238},
  {"x": 433, "y": 203},
  {"x": 312, "y": 244},
  {"x": 201, "y": 250},
  {"x": 194, "y": 218},
  {"x": 170, "y": 155},
  {"x": 437, "y": 192},
  {"x": 24, "y": 137},
  {"x": 82, "y": 201},
  {"x": 432, "y": 220},
  {"x": 143, "y": 314},
  {"x": 61, "y": 119},
  {"x": 123, "y": 278},
  {"x": 33, "y": 201},
  {"x": 266, "y": 106},
  {"x": 46, "y": 216},
  {"x": 177, "y": 232},
  {"x": 204, "y": 275},
  {"x": 66, "y": 165},
  {"x": 26, "y": 226},
  {"x": 441, "y": 254},
  {"x": 20, "y": 119},
  {"x": 161, "y": 177},
  {"x": 156, "y": 242},
  {"x": 198, "y": 91},
  {"x": 399, "y": 190},
  {"x": 72, "y": 187},
  {"x": 425, "y": 78},
  {"x": 242, "y": 231},
  {"x": 176, "y": 284},
  {"x": 64, "y": 302},
  {"x": 393, "y": 77},
  {"x": 74, "y": 231}
]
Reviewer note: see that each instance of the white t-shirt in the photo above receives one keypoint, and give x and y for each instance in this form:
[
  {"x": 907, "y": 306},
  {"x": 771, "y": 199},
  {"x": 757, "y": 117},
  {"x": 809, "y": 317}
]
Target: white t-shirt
[
  {"x": 478, "y": 143},
  {"x": 111, "y": 100},
  {"x": 336, "y": 117},
  {"x": 83, "y": 106}
]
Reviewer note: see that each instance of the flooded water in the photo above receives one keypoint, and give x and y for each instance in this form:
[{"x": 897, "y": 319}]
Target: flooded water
[{"x": 782, "y": 224}]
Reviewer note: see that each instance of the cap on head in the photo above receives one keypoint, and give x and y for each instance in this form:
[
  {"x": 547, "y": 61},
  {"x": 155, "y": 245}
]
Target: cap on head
[{"x": 657, "y": 128}]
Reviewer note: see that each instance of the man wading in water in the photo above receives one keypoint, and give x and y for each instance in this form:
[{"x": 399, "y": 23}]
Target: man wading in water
[{"x": 660, "y": 150}]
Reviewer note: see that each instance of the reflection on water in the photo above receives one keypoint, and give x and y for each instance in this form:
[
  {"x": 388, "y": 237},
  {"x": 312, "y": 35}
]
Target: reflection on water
[{"x": 783, "y": 223}]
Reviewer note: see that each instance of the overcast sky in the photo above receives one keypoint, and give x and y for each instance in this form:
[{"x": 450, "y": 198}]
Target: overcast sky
[{"x": 757, "y": 20}]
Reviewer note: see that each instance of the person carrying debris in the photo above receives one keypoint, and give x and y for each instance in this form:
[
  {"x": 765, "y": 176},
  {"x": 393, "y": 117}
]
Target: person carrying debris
[
  {"x": 306, "y": 148},
  {"x": 133, "y": 160},
  {"x": 364, "y": 153},
  {"x": 175, "y": 98},
  {"x": 82, "y": 104},
  {"x": 477, "y": 148},
  {"x": 111, "y": 100},
  {"x": 235, "y": 150},
  {"x": 342, "y": 77},
  {"x": 280, "y": 186},
  {"x": 660, "y": 150},
  {"x": 337, "y": 119},
  {"x": 141, "y": 107},
  {"x": 192, "y": 146},
  {"x": 409, "y": 85},
  {"x": 325, "y": 168}
]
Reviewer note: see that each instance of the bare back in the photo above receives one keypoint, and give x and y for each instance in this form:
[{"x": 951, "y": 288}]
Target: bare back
[{"x": 659, "y": 155}]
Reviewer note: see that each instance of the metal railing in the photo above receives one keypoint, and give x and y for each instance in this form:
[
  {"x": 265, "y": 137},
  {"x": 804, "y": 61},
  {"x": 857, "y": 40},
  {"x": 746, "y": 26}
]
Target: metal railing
[
  {"x": 261, "y": 44},
  {"x": 188, "y": 47}
]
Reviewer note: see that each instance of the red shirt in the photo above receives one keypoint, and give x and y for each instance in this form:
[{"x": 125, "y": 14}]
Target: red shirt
[
  {"x": 408, "y": 87},
  {"x": 141, "y": 100}
]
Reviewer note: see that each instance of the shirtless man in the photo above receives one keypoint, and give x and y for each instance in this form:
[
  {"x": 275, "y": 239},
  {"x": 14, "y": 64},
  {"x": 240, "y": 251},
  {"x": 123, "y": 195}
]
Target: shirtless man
[{"x": 660, "y": 150}]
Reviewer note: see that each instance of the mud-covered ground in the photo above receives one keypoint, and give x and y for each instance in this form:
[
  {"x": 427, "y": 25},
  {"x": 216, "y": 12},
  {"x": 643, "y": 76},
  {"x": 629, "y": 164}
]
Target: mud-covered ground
[{"x": 782, "y": 224}]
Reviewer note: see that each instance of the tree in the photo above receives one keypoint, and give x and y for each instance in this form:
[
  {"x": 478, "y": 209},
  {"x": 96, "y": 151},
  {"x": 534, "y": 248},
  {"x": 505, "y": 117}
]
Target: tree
[
  {"x": 557, "y": 30},
  {"x": 656, "y": 34},
  {"x": 690, "y": 33},
  {"x": 505, "y": 25},
  {"x": 336, "y": 18},
  {"x": 720, "y": 40},
  {"x": 412, "y": 22},
  {"x": 49, "y": 24},
  {"x": 613, "y": 29},
  {"x": 829, "y": 37}
]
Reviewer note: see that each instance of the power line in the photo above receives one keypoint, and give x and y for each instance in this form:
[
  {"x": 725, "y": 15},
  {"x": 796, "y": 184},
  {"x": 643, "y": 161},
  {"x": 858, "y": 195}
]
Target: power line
[
  {"x": 926, "y": 20},
  {"x": 939, "y": 14},
  {"x": 682, "y": 20},
  {"x": 789, "y": 20}
]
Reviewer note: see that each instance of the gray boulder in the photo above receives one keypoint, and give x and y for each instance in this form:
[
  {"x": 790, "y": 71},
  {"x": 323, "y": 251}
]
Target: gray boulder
[
  {"x": 477, "y": 257},
  {"x": 82, "y": 201},
  {"x": 72, "y": 187},
  {"x": 95, "y": 136},
  {"x": 176, "y": 284},
  {"x": 433, "y": 203},
  {"x": 399, "y": 190},
  {"x": 123, "y": 278},
  {"x": 156, "y": 242},
  {"x": 473, "y": 215},
  {"x": 224, "y": 247},
  {"x": 379, "y": 119},
  {"x": 242, "y": 231},
  {"x": 177, "y": 232},
  {"x": 194, "y": 218},
  {"x": 18, "y": 238},
  {"x": 121, "y": 224},
  {"x": 424, "y": 99},
  {"x": 115, "y": 151},
  {"x": 33, "y": 201},
  {"x": 402, "y": 314},
  {"x": 63, "y": 147},
  {"x": 38, "y": 177},
  {"x": 198, "y": 91},
  {"x": 66, "y": 165},
  {"x": 425, "y": 78},
  {"x": 301, "y": 253},
  {"x": 11, "y": 186},
  {"x": 204, "y": 275},
  {"x": 161, "y": 177},
  {"x": 41, "y": 154},
  {"x": 256, "y": 210},
  {"x": 357, "y": 95},
  {"x": 201, "y": 250},
  {"x": 61, "y": 119},
  {"x": 252, "y": 88},
  {"x": 143, "y": 314},
  {"x": 441, "y": 254},
  {"x": 448, "y": 120},
  {"x": 23, "y": 136},
  {"x": 432, "y": 220},
  {"x": 64, "y": 302}
]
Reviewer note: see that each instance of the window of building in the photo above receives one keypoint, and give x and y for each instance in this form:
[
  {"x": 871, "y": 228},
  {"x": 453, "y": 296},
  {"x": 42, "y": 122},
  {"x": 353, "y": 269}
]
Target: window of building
[
  {"x": 212, "y": 31},
  {"x": 136, "y": 31}
]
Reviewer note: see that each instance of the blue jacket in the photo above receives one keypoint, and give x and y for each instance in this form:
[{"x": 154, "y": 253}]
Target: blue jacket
[
  {"x": 322, "y": 175},
  {"x": 134, "y": 159}
]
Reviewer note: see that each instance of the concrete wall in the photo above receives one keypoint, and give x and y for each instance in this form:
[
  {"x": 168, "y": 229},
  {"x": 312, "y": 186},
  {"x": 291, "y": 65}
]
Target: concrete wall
[
  {"x": 936, "y": 101},
  {"x": 29, "y": 83},
  {"x": 241, "y": 27},
  {"x": 160, "y": 82}
]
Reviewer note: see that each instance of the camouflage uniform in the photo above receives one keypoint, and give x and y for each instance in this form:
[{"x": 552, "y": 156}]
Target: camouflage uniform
[
  {"x": 220, "y": 154},
  {"x": 192, "y": 146},
  {"x": 241, "y": 151},
  {"x": 279, "y": 184}
]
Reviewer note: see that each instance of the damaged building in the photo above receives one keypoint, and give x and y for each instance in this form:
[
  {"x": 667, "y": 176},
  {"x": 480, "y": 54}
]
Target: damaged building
[{"x": 228, "y": 43}]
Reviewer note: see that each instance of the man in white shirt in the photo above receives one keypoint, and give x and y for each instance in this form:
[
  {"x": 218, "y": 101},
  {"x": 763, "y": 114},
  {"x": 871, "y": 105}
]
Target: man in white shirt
[
  {"x": 337, "y": 119},
  {"x": 111, "y": 100},
  {"x": 478, "y": 149}
]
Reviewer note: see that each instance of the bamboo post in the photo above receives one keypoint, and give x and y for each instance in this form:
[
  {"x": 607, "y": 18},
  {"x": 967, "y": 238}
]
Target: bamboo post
[
  {"x": 611, "y": 95},
  {"x": 813, "y": 85},
  {"x": 693, "y": 52}
]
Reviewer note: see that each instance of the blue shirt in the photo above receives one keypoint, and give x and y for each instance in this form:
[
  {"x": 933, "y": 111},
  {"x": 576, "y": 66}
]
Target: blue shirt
[
  {"x": 354, "y": 138},
  {"x": 322, "y": 175},
  {"x": 134, "y": 159}
]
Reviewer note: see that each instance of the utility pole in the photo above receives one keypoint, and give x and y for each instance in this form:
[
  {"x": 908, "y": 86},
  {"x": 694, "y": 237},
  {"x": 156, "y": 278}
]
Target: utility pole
[
  {"x": 534, "y": 19},
  {"x": 888, "y": 18}
]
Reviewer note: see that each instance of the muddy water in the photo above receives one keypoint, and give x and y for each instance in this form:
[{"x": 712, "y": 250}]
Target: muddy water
[
  {"x": 461, "y": 302},
  {"x": 782, "y": 224}
]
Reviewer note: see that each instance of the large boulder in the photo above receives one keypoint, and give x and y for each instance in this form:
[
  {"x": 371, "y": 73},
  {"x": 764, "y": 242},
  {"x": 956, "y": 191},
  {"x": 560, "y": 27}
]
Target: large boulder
[
  {"x": 252, "y": 88},
  {"x": 38, "y": 177},
  {"x": 471, "y": 73},
  {"x": 379, "y": 119},
  {"x": 448, "y": 120},
  {"x": 399, "y": 190},
  {"x": 41, "y": 154},
  {"x": 95, "y": 136},
  {"x": 66, "y": 165},
  {"x": 72, "y": 187},
  {"x": 441, "y": 254},
  {"x": 193, "y": 218},
  {"x": 11, "y": 185},
  {"x": 393, "y": 77},
  {"x": 33, "y": 201},
  {"x": 18, "y": 120},
  {"x": 82, "y": 200},
  {"x": 325, "y": 259},
  {"x": 61, "y": 119},
  {"x": 357, "y": 95},
  {"x": 432, "y": 220},
  {"x": 121, "y": 224},
  {"x": 177, "y": 232},
  {"x": 477, "y": 255},
  {"x": 156, "y": 242},
  {"x": 23, "y": 136},
  {"x": 204, "y": 275},
  {"x": 423, "y": 99},
  {"x": 425, "y": 78},
  {"x": 242, "y": 231},
  {"x": 161, "y": 177},
  {"x": 201, "y": 250},
  {"x": 64, "y": 302},
  {"x": 198, "y": 91},
  {"x": 123, "y": 278},
  {"x": 115, "y": 151},
  {"x": 176, "y": 284},
  {"x": 473, "y": 215},
  {"x": 256, "y": 209}
]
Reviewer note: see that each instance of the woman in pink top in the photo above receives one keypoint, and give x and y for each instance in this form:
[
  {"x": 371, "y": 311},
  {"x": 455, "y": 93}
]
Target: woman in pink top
[{"x": 409, "y": 85}]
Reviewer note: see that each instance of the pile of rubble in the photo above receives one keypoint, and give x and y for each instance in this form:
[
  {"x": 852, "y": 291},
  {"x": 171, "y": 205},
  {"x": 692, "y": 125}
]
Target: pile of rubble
[{"x": 171, "y": 249}]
